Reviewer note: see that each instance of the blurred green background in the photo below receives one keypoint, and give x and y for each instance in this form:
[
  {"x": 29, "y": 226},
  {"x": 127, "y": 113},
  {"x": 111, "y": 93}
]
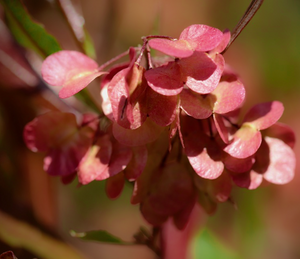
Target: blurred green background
[{"x": 267, "y": 57}]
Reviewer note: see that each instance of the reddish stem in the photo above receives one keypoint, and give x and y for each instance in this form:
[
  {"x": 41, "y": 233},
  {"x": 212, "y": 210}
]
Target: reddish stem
[
  {"x": 138, "y": 60},
  {"x": 248, "y": 15},
  {"x": 146, "y": 47},
  {"x": 149, "y": 37},
  {"x": 109, "y": 62}
]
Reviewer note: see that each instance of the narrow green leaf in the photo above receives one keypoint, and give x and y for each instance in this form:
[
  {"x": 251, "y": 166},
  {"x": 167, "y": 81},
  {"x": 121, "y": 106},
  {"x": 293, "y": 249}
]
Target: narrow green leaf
[
  {"x": 27, "y": 32},
  {"x": 88, "y": 45},
  {"x": 76, "y": 24},
  {"x": 100, "y": 236}
]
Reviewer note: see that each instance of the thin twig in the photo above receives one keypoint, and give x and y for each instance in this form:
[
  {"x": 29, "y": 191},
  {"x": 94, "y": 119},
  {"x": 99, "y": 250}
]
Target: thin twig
[
  {"x": 250, "y": 12},
  {"x": 111, "y": 61}
]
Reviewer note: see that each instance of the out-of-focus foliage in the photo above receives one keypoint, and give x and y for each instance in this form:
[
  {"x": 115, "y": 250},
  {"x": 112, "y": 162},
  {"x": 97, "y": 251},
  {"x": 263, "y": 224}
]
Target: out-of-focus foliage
[
  {"x": 22, "y": 235},
  {"x": 28, "y": 33},
  {"x": 99, "y": 236},
  {"x": 208, "y": 246}
]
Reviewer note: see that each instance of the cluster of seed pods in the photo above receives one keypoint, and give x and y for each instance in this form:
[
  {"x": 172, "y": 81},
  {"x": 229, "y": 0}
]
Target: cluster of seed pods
[{"x": 168, "y": 124}]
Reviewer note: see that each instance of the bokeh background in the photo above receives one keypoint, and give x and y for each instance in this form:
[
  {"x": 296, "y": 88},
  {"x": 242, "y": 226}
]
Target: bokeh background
[{"x": 266, "y": 223}]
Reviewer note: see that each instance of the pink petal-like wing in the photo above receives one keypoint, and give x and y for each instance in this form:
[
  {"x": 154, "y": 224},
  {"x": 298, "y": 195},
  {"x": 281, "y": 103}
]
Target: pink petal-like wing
[
  {"x": 262, "y": 158},
  {"x": 264, "y": 115},
  {"x": 238, "y": 165},
  {"x": 176, "y": 48},
  {"x": 151, "y": 216},
  {"x": 64, "y": 159},
  {"x": 112, "y": 72},
  {"x": 120, "y": 158},
  {"x": 182, "y": 218},
  {"x": 221, "y": 127},
  {"x": 71, "y": 70},
  {"x": 66, "y": 179},
  {"x": 282, "y": 162},
  {"x": 207, "y": 203},
  {"x": 106, "y": 104},
  {"x": 201, "y": 158},
  {"x": 220, "y": 189},
  {"x": 195, "y": 104},
  {"x": 229, "y": 95},
  {"x": 49, "y": 130},
  {"x": 118, "y": 93},
  {"x": 223, "y": 44},
  {"x": 206, "y": 37},
  {"x": 170, "y": 189},
  {"x": 161, "y": 108},
  {"x": 36, "y": 133},
  {"x": 201, "y": 73},
  {"x": 139, "y": 191},
  {"x": 245, "y": 143},
  {"x": 114, "y": 185},
  {"x": 202, "y": 163},
  {"x": 91, "y": 120},
  {"x": 166, "y": 79},
  {"x": 61, "y": 162},
  {"x": 126, "y": 114},
  {"x": 96, "y": 160},
  {"x": 137, "y": 163},
  {"x": 283, "y": 132},
  {"x": 250, "y": 180},
  {"x": 145, "y": 134},
  {"x": 58, "y": 134}
]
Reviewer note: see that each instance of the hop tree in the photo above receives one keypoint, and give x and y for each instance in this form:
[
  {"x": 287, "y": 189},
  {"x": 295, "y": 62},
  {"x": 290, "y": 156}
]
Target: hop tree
[{"x": 169, "y": 124}]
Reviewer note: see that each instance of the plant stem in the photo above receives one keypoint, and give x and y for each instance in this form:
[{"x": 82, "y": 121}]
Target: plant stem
[
  {"x": 248, "y": 15},
  {"x": 146, "y": 47},
  {"x": 109, "y": 62},
  {"x": 143, "y": 237}
]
